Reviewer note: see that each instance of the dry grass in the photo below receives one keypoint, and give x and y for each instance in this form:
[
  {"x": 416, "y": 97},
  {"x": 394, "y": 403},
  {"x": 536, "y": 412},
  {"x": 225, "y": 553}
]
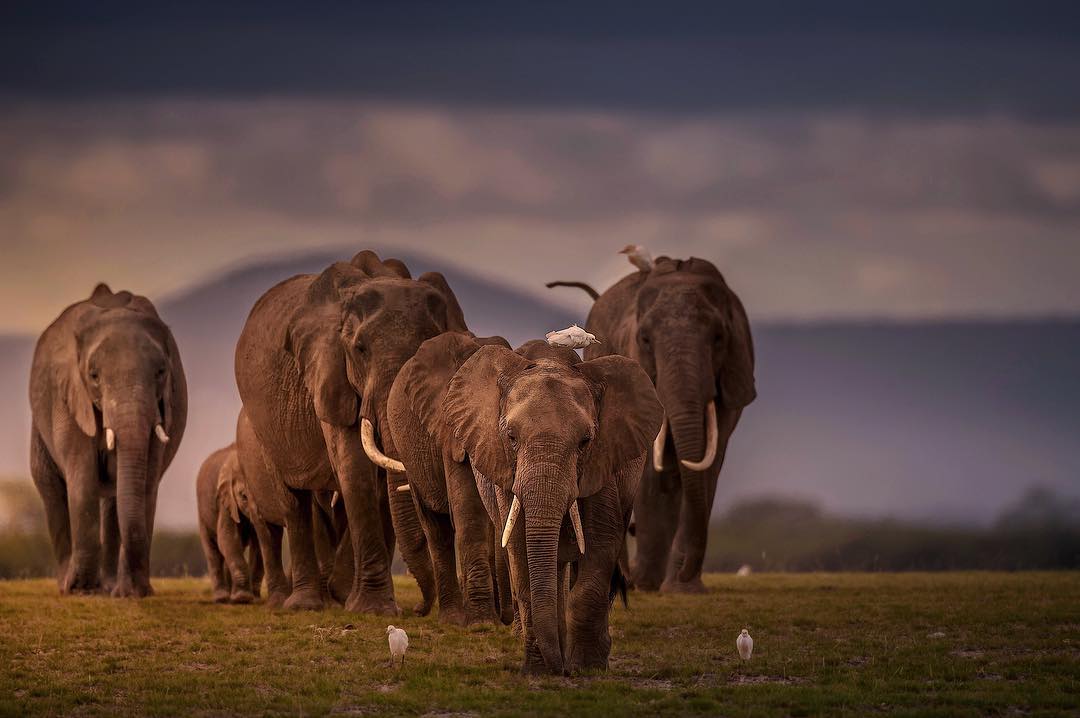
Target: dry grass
[{"x": 906, "y": 644}]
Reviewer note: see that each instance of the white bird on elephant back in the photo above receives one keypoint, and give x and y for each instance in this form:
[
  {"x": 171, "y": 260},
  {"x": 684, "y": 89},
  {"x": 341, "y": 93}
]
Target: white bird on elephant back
[
  {"x": 638, "y": 256},
  {"x": 573, "y": 337}
]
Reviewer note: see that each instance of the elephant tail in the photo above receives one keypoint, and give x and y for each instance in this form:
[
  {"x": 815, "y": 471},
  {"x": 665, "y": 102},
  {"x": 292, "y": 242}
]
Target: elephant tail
[
  {"x": 618, "y": 588},
  {"x": 580, "y": 285}
]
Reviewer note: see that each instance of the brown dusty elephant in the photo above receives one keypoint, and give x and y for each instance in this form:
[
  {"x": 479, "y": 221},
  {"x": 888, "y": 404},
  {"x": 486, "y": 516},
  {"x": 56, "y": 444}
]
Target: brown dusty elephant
[
  {"x": 109, "y": 404},
  {"x": 314, "y": 366},
  {"x": 689, "y": 331},
  {"x": 560, "y": 444},
  {"x": 227, "y": 533},
  {"x": 457, "y": 525}
]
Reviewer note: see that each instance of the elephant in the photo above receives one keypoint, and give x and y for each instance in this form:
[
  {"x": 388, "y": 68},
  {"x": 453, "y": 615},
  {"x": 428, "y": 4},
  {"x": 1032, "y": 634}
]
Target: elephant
[
  {"x": 560, "y": 442},
  {"x": 108, "y": 399},
  {"x": 690, "y": 333},
  {"x": 314, "y": 365},
  {"x": 450, "y": 507},
  {"x": 225, "y": 529}
]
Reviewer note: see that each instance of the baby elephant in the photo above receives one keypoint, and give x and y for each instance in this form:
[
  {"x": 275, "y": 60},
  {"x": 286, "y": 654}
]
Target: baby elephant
[{"x": 226, "y": 529}]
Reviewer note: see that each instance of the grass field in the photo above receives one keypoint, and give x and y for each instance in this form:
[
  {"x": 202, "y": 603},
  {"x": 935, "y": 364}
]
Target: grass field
[{"x": 825, "y": 644}]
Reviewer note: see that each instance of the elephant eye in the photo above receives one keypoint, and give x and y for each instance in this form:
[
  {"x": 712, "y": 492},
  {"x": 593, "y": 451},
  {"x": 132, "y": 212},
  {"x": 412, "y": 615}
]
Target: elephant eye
[
  {"x": 645, "y": 341},
  {"x": 95, "y": 376},
  {"x": 513, "y": 439},
  {"x": 584, "y": 442}
]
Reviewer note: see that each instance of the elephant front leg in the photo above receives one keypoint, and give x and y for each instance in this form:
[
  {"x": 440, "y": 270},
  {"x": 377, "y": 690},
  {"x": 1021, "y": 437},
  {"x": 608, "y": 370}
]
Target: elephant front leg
[
  {"x": 307, "y": 591},
  {"x": 254, "y": 561},
  {"x": 472, "y": 532},
  {"x": 215, "y": 565},
  {"x": 278, "y": 585},
  {"x": 589, "y": 605},
  {"x": 656, "y": 516},
  {"x": 232, "y": 548},
  {"x": 440, "y": 539},
  {"x": 83, "y": 573},
  {"x": 373, "y": 589},
  {"x": 110, "y": 543},
  {"x": 50, "y": 485}
]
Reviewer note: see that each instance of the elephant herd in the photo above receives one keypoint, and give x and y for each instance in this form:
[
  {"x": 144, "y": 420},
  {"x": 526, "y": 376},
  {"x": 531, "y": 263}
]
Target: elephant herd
[{"x": 373, "y": 419}]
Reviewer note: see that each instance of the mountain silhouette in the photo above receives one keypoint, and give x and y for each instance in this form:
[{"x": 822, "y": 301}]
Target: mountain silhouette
[{"x": 947, "y": 420}]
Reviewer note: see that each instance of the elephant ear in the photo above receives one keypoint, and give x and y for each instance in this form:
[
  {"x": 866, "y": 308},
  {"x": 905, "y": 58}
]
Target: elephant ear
[
  {"x": 736, "y": 383},
  {"x": 473, "y": 408},
  {"x": 313, "y": 338},
  {"x": 628, "y": 419},
  {"x": 427, "y": 376},
  {"x": 227, "y": 478},
  {"x": 455, "y": 318},
  {"x": 77, "y": 398}
]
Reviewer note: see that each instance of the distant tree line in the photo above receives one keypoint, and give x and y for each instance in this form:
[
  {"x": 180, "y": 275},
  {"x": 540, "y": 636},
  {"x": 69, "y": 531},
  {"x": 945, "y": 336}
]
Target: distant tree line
[{"x": 1040, "y": 531}]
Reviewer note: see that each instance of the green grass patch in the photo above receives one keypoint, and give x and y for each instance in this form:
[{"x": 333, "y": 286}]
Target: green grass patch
[{"x": 838, "y": 644}]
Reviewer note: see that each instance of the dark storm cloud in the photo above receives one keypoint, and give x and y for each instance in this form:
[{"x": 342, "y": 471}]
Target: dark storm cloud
[{"x": 953, "y": 58}]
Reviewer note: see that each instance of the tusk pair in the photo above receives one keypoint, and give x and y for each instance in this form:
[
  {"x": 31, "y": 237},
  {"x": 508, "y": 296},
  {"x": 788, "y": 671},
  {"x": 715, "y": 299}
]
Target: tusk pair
[
  {"x": 159, "y": 432},
  {"x": 367, "y": 438},
  {"x": 575, "y": 519},
  {"x": 712, "y": 441},
  {"x": 658, "y": 447}
]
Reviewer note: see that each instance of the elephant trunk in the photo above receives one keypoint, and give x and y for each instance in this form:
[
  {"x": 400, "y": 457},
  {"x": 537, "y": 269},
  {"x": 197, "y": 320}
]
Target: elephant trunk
[
  {"x": 133, "y": 424},
  {"x": 544, "y": 506},
  {"x": 685, "y": 395}
]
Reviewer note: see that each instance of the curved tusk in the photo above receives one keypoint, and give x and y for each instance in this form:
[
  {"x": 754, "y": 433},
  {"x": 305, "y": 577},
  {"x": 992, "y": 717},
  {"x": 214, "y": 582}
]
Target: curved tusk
[
  {"x": 404, "y": 487},
  {"x": 110, "y": 439},
  {"x": 511, "y": 519},
  {"x": 159, "y": 432},
  {"x": 575, "y": 519},
  {"x": 335, "y": 498},
  {"x": 367, "y": 438},
  {"x": 658, "y": 447},
  {"x": 713, "y": 440}
]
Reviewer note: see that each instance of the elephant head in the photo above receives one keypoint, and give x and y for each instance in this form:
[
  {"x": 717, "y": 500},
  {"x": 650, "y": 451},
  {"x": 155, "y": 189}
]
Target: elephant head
[
  {"x": 126, "y": 386},
  {"x": 693, "y": 339},
  {"x": 549, "y": 431},
  {"x": 362, "y": 321},
  {"x": 233, "y": 491}
]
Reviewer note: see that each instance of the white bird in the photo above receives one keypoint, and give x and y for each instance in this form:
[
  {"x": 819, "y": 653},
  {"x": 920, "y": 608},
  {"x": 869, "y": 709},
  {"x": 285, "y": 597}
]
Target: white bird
[
  {"x": 744, "y": 570},
  {"x": 745, "y": 644},
  {"x": 399, "y": 643},
  {"x": 573, "y": 336},
  {"x": 638, "y": 256}
]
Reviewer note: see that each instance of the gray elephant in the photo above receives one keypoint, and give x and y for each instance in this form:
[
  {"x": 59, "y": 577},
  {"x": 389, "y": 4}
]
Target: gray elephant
[
  {"x": 689, "y": 331},
  {"x": 559, "y": 443},
  {"x": 314, "y": 366},
  {"x": 452, "y": 512},
  {"x": 227, "y": 533},
  {"x": 109, "y": 404}
]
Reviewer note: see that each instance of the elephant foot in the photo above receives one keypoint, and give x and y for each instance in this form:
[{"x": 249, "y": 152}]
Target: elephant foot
[
  {"x": 221, "y": 595},
  {"x": 127, "y": 589},
  {"x": 539, "y": 668},
  {"x": 378, "y": 604},
  {"x": 276, "y": 599},
  {"x": 80, "y": 582},
  {"x": 422, "y": 609},
  {"x": 305, "y": 600},
  {"x": 692, "y": 586},
  {"x": 242, "y": 596},
  {"x": 453, "y": 615}
]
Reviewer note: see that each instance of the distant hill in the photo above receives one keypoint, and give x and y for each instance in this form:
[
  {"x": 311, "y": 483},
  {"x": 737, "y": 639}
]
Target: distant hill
[{"x": 948, "y": 420}]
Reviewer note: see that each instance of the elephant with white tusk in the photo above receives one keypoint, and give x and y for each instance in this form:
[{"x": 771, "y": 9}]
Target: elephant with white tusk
[
  {"x": 689, "y": 331},
  {"x": 314, "y": 366},
  {"x": 558, "y": 444},
  {"x": 451, "y": 510},
  {"x": 106, "y": 386}
]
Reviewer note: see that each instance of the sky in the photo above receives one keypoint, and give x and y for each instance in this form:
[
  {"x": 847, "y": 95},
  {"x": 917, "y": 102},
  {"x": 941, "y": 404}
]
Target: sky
[{"x": 845, "y": 160}]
